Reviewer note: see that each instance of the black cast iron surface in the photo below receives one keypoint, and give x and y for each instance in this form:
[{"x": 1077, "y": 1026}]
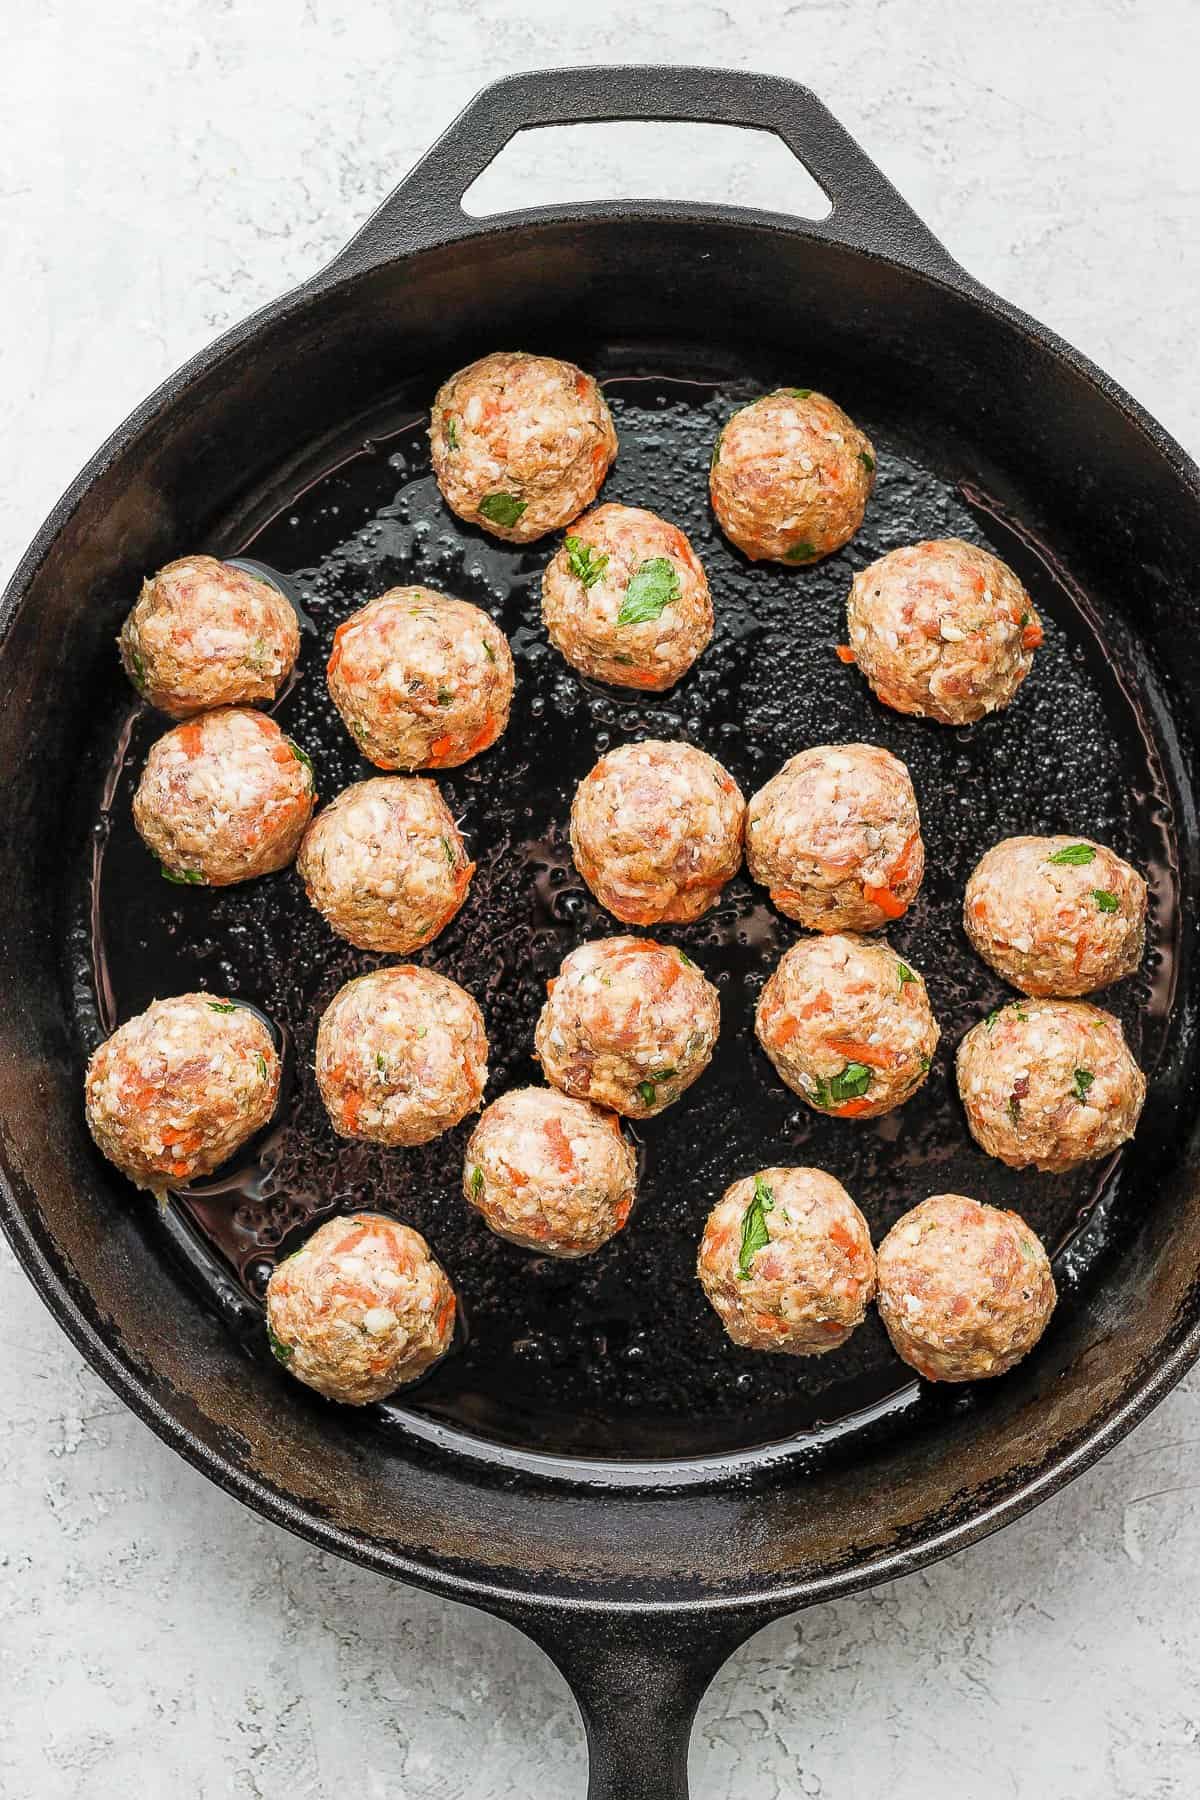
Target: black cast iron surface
[{"x": 619, "y": 1355}]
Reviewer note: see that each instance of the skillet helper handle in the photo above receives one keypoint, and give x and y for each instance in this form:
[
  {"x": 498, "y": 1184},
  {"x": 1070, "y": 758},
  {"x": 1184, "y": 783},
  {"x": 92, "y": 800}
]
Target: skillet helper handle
[
  {"x": 426, "y": 209},
  {"x": 637, "y": 1684}
]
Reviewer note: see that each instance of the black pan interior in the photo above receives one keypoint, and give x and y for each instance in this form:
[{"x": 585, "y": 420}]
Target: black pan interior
[{"x": 618, "y": 1357}]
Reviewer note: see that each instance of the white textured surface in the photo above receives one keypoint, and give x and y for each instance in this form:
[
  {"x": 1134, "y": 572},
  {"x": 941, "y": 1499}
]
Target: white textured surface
[{"x": 167, "y": 165}]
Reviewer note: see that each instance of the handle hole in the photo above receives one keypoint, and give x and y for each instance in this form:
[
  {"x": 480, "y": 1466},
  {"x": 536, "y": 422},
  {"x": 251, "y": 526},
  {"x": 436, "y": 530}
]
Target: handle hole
[{"x": 733, "y": 165}]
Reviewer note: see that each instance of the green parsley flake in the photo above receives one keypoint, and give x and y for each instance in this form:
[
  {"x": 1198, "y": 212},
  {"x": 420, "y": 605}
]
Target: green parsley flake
[
  {"x": 851, "y": 1084},
  {"x": 476, "y": 1182},
  {"x": 1014, "y": 1108},
  {"x": 647, "y": 1093},
  {"x": 260, "y": 1063},
  {"x": 448, "y": 851},
  {"x": 301, "y": 757},
  {"x": 906, "y": 975},
  {"x": 586, "y": 561},
  {"x": 797, "y": 393},
  {"x": 221, "y": 1006},
  {"x": 684, "y": 958},
  {"x": 1083, "y": 1081},
  {"x": 867, "y": 461},
  {"x": 381, "y": 1062},
  {"x": 488, "y": 651},
  {"x": 754, "y": 1226},
  {"x": 1105, "y": 901},
  {"x": 716, "y": 449},
  {"x": 451, "y": 432},
  {"x": 1073, "y": 856},
  {"x": 182, "y": 877},
  {"x": 138, "y": 668},
  {"x": 502, "y": 509},
  {"x": 801, "y": 552},
  {"x": 445, "y": 697},
  {"x": 652, "y": 588},
  {"x": 990, "y": 1021},
  {"x": 279, "y": 1350}
]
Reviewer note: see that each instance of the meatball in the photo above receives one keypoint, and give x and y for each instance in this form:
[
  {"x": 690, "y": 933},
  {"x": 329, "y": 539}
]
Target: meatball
[
  {"x": 385, "y": 864},
  {"x": 223, "y": 798},
  {"x": 1056, "y": 915},
  {"x": 205, "y": 634},
  {"x": 943, "y": 630},
  {"x": 521, "y": 444},
  {"x": 551, "y": 1173},
  {"x": 965, "y": 1290},
  {"x": 175, "y": 1091},
  {"x": 847, "y": 1025},
  {"x": 421, "y": 681},
  {"x": 836, "y": 837},
  {"x": 1049, "y": 1084},
  {"x": 401, "y": 1056},
  {"x": 360, "y": 1309},
  {"x": 791, "y": 476},
  {"x": 629, "y": 1024},
  {"x": 656, "y": 832},
  {"x": 625, "y": 600},
  {"x": 786, "y": 1260}
]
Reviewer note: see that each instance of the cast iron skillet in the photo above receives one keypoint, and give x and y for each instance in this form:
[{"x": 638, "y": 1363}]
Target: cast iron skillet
[{"x": 594, "y": 1463}]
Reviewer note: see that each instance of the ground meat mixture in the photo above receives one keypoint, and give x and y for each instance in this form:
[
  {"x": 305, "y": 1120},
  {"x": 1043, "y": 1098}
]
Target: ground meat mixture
[
  {"x": 551, "y": 1173},
  {"x": 1056, "y": 915},
  {"x": 401, "y": 1056},
  {"x": 786, "y": 1260},
  {"x": 1049, "y": 1084},
  {"x": 360, "y": 1309},
  {"x": 385, "y": 864},
  {"x": 836, "y": 837},
  {"x": 943, "y": 630},
  {"x": 625, "y": 599},
  {"x": 521, "y": 444},
  {"x": 421, "y": 681},
  {"x": 847, "y": 1024},
  {"x": 656, "y": 832},
  {"x": 204, "y": 634},
  {"x": 791, "y": 477},
  {"x": 223, "y": 798},
  {"x": 965, "y": 1290},
  {"x": 628, "y": 1024},
  {"x": 174, "y": 1092}
]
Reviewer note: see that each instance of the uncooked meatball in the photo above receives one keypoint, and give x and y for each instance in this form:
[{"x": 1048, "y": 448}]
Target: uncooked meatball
[
  {"x": 943, "y": 630},
  {"x": 521, "y": 444},
  {"x": 656, "y": 832},
  {"x": 836, "y": 837},
  {"x": 401, "y": 1056},
  {"x": 625, "y": 599},
  {"x": 1049, "y": 1084},
  {"x": 786, "y": 1260},
  {"x": 1056, "y": 915},
  {"x": 174, "y": 1092},
  {"x": 205, "y": 634},
  {"x": 965, "y": 1290},
  {"x": 550, "y": 1173},
  {"x": 360, "y": 1309},
  {"x": 628, "y": 1024},
  {"x": 847, "y": 1024},
  {"x": 385, "y": 864},
  {"x": 421, "y": 681},
  {"x": 791, "y": 476},
  {"x": 223, "y": 798}
]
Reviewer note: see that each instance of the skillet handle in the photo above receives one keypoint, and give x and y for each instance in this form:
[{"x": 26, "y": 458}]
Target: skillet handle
[
  {"x": 425, "y": 210},
  {"x": 637, "y": 1683}
]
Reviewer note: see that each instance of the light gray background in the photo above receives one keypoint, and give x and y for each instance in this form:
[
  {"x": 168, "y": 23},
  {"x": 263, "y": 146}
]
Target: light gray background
[{"x": 169, "y": 164}]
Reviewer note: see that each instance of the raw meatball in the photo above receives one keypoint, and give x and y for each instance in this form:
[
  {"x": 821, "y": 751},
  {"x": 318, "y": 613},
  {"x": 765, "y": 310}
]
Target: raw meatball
[
  {"x": 656, "y": 832},
  {"x": 836, "y": 837},
  {"x": 1049, "y": 1084},
  {"x": 625, "y": 600},
  {"x": 204, "y": 634},
  {"x": 385, "y": 864},
  {"x": 551, "y": 1173},
  {"x": 223, "y": 798},
  {"x": 1056, "y": 915},
  {"x": 521, "y": 444},
  {"x": 965, "y": 1290},
  {"x": 847, "y": 1025},
  {"x": 944, "y": 630},
  {"x": 629, "y": 1024},
  {"x": 791, "y": 476},
  {"x": 360, "y": 1309},
  {"x": 175, "y": 1091},
  {"x": 786, "y": 1260},
  {"x": 421, "y": 681},
  {"x": 401, "y": 1056}
]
